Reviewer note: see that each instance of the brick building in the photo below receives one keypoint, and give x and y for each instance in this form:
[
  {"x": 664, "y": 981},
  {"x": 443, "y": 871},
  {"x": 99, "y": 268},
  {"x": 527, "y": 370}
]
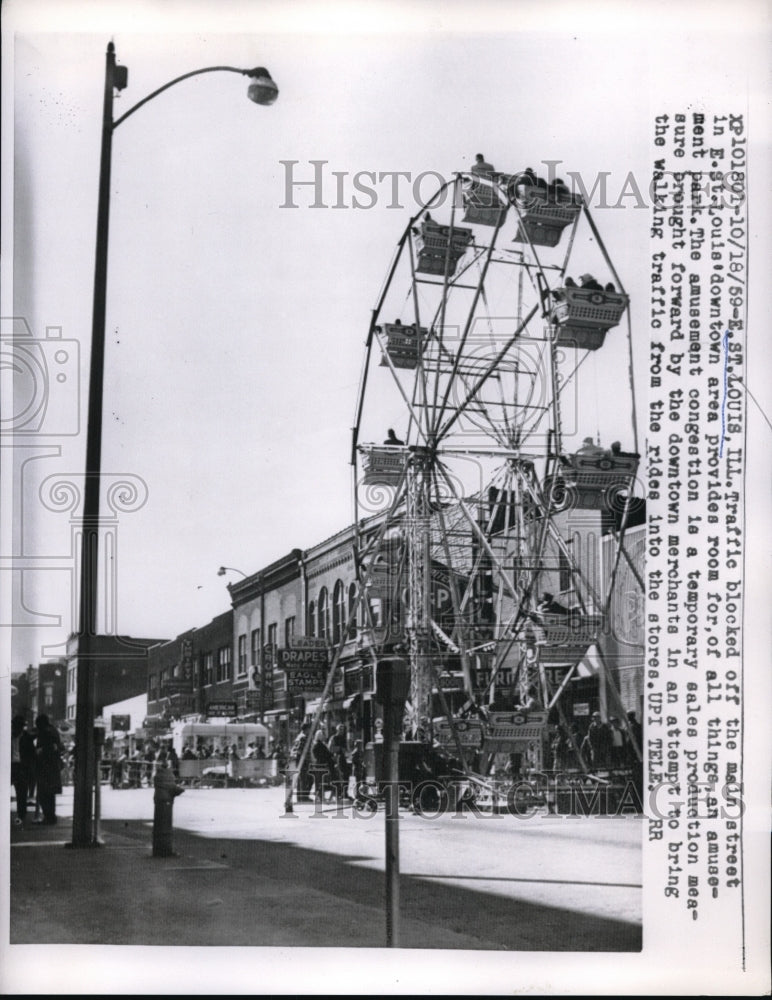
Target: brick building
[
  {"x": 187, "y": 673},
  {"x": 120, "y": 669},
  {"x": 268, "y": 611}
]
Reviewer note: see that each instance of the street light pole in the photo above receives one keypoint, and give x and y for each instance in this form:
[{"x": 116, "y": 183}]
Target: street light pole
[
  {"x": 224, "y": 569},
  {"x": 262, "y": 90},
  {"x": 85, "y": 769}
]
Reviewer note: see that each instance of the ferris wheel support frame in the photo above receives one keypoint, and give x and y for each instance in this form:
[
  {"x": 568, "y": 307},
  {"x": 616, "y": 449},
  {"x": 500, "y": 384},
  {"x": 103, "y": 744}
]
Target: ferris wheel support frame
[{"x": 433, "y": 424}]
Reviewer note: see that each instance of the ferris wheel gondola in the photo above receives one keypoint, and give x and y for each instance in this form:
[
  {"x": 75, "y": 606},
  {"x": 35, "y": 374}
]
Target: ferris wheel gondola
[{"x": 484, "y": 335}]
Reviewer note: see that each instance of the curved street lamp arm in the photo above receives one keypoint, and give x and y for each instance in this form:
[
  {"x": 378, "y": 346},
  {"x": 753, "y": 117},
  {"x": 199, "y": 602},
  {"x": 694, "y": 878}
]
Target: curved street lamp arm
[
  {"x": 224, "y": 569},
  {"x": 185, "y": 76}
]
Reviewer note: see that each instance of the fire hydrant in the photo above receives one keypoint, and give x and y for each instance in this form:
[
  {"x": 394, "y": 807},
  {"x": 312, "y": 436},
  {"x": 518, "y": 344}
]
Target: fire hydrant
[{"x": 166, "y": 791}]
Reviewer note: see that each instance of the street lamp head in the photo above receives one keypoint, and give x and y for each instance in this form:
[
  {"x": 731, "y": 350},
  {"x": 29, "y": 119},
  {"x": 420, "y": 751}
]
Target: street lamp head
[
  {"x": 262, "y": 89},
  {"x": 221, "y": 571}
]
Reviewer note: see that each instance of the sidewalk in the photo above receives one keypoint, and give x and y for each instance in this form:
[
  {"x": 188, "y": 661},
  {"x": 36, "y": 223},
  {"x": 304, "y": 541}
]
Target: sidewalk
[
  {"x": 216, "y": 892},
  {"x": 246, "y": 876}
]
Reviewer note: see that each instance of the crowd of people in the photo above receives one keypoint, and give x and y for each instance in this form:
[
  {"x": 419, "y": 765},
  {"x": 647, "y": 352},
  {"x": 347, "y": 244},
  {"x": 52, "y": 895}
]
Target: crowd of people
[
  {"x": 331, "y": 766},
  {"x": 327, "y": 767},
  {"x": 136, "y": 768},
  {"x": 604, "y": 745}
]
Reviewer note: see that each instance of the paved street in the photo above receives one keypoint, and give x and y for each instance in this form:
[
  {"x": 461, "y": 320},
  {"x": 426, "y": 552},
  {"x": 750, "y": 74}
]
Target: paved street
[{"x": 247, "y": 875}]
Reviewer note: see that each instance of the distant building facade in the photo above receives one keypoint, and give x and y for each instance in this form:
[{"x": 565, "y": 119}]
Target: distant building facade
[
  {"x": 48, "y": 690},
  {"x": 188, "y": 673},
  {"x": 119, "y": 669},
  {"x": 268, "y": 611}
]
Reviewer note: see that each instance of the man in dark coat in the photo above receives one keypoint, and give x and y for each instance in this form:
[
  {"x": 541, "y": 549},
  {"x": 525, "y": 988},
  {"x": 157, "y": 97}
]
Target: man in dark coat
[
  {"x": 597, "y": 742},
  {"x": 48, "y": 766},
  {"x": 323, "y": 766},
  {"x": 304, "y": 779},
  {"x": 22, "y": 764},
  {"x": 338, "y": 748}
]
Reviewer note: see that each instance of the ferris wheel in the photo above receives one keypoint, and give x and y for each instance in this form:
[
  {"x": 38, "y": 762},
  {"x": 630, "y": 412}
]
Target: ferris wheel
[{"x": 496, "y": 337}]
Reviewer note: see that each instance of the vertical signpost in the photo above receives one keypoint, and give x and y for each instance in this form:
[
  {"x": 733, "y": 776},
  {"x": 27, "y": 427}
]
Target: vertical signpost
[
  {"x": 392, "y": 686},
  {"x": 305, "y": 664}
]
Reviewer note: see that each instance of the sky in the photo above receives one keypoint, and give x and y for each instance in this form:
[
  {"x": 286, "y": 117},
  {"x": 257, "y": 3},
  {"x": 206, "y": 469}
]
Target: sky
[{"x": 236, "y": 323}]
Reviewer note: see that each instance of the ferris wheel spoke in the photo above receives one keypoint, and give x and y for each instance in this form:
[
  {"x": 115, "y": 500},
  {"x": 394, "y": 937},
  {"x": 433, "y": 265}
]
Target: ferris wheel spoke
[
  {"x": 410, "y": 404},
  {"x": 440, "y": 410},
  {"x": 462, "y": 406},
  {"x": 476, "y": 532}
]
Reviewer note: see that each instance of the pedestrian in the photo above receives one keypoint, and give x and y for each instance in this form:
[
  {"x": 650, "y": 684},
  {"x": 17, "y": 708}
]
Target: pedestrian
[
  {"x": 280, "y": 755},
  {"x": 149, "y": 758},
  {"x": 304, "y": 779},
  {"x": 22, "y": 765},
  {"x": 634, "y": 737},
  {"x": 514, "y": 766},
  {"x": 323, "y": 766},
  {"x": 338, "y": 747},
  {"x": 560, "y": 746},
  {"x": 597, "y": 743},
  {"x": 135, "y": 769},
  {"x": 166, "y": 790},
  {"x": 174, "y": 763},
  {"x": 358, "y": 770},
  {"x": 118, "y": 767},
  {"x": 617, "y": 743},
  {"x": 33, "y": 782},
  {"x": 574, "y": 745},
  {"x": 48, "y": 768}
]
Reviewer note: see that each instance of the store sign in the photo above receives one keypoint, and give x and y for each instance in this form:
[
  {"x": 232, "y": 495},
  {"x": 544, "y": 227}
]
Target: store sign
[
  {"x": 304, "y": 681},
  {"x": 451, "y": 682},
  {"x": 176, "y": 687},
  {"x": 120, "y": 722},
  {"x": 221, "y": 709},
  {"x": 306, "y": 642},
  {"x": 308, "y": 658}
]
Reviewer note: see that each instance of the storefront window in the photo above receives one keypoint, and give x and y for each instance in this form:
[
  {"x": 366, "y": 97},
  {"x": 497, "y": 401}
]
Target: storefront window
[
  {"x": 338, "y": 611},
  {"x": 323, "y": 613}
]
